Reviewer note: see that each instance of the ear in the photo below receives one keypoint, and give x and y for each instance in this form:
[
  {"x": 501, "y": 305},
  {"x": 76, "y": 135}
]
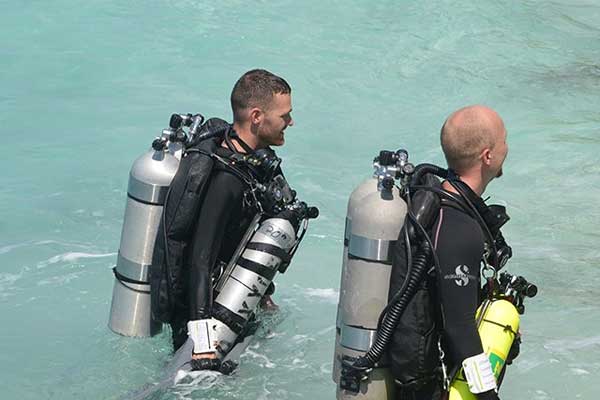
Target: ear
[
  {"x": 256, "y": 116},
  {"x": 486, "y": 156}
]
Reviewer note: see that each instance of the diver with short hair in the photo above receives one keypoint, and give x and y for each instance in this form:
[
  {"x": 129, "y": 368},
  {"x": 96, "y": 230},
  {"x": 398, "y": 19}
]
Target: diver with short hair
[
  {"x": 261, "y": 105},
  {"x": 473, "y": 140}
]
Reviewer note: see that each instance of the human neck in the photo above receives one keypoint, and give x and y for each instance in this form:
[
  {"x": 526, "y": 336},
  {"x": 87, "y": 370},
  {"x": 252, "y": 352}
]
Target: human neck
[
  {"x": 472, "y": 180},
  {"x": 244, "y": 132}
]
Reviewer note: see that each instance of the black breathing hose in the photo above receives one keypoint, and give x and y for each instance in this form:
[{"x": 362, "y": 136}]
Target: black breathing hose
[{"x": 422, "y": 169}]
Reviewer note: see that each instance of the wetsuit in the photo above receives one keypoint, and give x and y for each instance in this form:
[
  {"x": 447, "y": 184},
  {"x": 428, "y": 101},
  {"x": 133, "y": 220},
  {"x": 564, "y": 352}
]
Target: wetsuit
[
  {"x": 222, "y": 221},
  {"x": 453, "y": 293}
]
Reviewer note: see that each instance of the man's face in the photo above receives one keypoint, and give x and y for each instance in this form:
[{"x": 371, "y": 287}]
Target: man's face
[
  {"x": 277, "y": 117},
  {"x": 499, "y": 153}
]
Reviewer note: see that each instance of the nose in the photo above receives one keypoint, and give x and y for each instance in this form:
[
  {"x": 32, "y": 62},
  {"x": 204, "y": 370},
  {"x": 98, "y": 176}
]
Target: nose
[{"x": 291, "y": 123}]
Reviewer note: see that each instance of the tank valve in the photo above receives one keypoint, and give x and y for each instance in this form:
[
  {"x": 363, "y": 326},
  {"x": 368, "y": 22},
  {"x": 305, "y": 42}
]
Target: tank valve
[
  {"x": 387, "y": 183},
  {"x": 159, "y": 144},
  {"x": 386, "y": 157}
]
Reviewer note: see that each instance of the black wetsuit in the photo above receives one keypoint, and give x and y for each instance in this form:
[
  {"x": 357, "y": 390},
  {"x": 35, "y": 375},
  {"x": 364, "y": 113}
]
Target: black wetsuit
[
  {"x": 455, "y": 294},
  {"x": 222, "y": 221},
  {"x": 459, "y": 245}
]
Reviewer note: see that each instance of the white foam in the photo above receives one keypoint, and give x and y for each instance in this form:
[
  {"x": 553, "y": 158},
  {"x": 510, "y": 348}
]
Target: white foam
[
  {"x": 10, "y": 247},
  {"x": 326, "y": 368},
  {"x": 329, "y": 294},
  {"x": 7, "y": 281},
  {"x": 579, "y": 371},
  {"x": 59, "y": 280},
  {"x": 72, "y": 257},
  {"x": 194, "y": 378},
  {"x": 265, "y": 359},
  {"x": 327, "y": 330},
  {"x": 186, "y": 383},
  {"x": 9, "y": 278},
  {"x": 568, "y": 345}
]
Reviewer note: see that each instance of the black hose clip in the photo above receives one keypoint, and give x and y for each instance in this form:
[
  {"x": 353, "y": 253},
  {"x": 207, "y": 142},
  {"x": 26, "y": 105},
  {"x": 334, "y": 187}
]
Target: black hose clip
[{"x": 353, "y": 373}]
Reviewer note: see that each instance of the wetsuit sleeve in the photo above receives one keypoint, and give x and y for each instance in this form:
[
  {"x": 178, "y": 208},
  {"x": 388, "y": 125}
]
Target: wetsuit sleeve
[
  {"x": 222, "y": 206},
  {"x": 459, "y": 246}
]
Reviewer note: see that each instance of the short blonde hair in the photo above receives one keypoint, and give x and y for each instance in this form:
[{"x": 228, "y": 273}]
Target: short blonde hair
[{"x": 463, "y": 141}]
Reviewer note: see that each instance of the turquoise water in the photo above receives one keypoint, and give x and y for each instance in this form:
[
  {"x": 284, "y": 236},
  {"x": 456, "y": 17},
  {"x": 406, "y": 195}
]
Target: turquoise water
[{"x": 86, "y": 86}]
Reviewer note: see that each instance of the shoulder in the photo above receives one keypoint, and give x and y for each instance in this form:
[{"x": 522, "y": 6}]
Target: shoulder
[
  {"x": 223, "y": 176},
  {"x": 459, "y": 229}
]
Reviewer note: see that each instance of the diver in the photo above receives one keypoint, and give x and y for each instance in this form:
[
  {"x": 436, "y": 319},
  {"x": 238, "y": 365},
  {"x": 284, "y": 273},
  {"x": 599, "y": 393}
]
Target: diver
[
  {"x": 437, "y": 334},
  {"x": 261, "y": 105}
]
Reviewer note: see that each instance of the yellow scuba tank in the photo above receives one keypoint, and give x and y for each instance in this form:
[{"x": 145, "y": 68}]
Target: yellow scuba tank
[{"x": 497, "y": 330}]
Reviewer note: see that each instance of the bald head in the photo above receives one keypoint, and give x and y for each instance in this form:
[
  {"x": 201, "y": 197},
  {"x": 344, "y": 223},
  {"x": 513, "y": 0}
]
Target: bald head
[{"x": 467, "y": 133}]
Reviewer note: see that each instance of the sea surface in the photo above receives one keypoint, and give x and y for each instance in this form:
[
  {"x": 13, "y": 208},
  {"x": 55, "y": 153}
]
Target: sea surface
[{"x": 86, "y": 86}]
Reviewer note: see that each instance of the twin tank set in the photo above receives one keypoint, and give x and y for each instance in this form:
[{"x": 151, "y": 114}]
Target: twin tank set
[{"x": 375, "y": 216}]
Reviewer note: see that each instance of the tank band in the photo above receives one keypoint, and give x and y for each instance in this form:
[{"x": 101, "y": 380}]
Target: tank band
[
  {"x": 147, "y": 192},
  {"x": 132, "y": 270},
  {"x": 125, "y": 281},
  {"x": 370, "y": 249},
  {"x": 271, "y": 250},
  {"x": 228, "y": 317},
  {"x": 257, "y": 268},
  {"x": 358, "y": 339}
]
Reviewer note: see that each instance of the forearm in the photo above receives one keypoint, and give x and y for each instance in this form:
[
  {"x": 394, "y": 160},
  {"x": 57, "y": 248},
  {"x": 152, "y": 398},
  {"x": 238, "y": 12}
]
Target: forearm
[{"x": 220, "y": 208}]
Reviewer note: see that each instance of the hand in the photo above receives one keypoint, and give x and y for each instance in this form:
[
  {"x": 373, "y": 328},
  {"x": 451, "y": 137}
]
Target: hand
[
  {"x": 199, "y": 356},
  {"x": 515, "y": 349}
]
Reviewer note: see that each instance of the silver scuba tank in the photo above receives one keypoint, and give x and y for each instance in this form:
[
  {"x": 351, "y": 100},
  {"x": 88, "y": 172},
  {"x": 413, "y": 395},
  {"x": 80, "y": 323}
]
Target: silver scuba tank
[
  {"x": 149, "y": 181},
  {"x": 248, "y": 276},
  {"x": 366, "y": 187},
  {"x": 376, "y": 214}
]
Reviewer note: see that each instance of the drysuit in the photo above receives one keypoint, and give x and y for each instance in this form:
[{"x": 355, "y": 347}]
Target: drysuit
[{"x": 223, "y": 218}]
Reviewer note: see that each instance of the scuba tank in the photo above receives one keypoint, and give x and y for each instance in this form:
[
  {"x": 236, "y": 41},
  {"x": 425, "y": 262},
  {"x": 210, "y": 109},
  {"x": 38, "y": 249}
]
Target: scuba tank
[
  {"x": 267, "y": 248},
  {"x": 498, "y": 326},
  {"x": 375, "y": 215},
  {"x": 366, "y": 187},
  {"x": 149, "y": 180}
]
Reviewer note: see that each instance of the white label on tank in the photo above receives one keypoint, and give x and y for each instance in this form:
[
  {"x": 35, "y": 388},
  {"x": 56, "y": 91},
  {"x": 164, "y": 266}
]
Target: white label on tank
[{"x": 273, "y": 232}]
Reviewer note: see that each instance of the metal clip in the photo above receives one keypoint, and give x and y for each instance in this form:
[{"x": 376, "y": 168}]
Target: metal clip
[
  {"x": 488, "y": 268},
  {"x": 446, "y": 382}
]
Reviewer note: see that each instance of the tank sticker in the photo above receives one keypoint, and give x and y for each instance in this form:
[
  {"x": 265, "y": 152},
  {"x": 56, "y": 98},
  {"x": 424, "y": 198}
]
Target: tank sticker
[
  {"x": 279, "y": 236},
  {"x": 497, "y": 364}
]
